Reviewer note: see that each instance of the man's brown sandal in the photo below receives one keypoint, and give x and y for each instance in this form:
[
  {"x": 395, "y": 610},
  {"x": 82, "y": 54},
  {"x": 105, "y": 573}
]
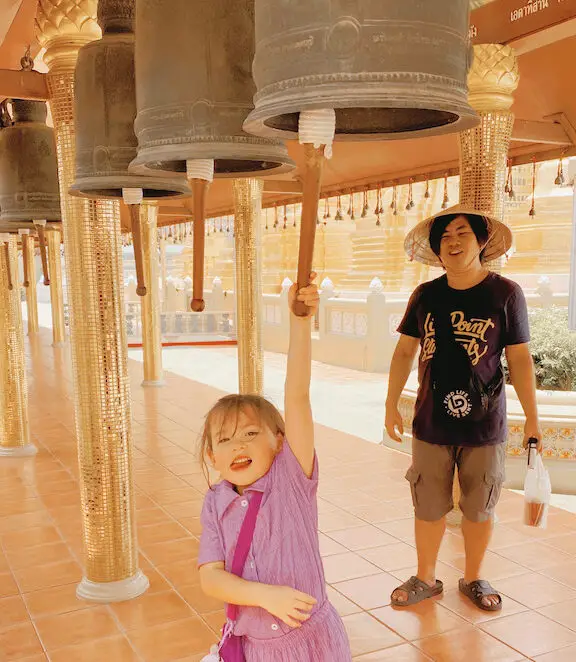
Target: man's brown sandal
[
  {"x": 477, "y": 591},
  {"x": 416, "y": 590}
]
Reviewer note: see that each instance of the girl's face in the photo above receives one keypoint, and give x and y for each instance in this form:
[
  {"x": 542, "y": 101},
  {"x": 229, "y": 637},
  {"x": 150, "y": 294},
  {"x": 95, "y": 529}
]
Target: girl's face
[{"x": 243, "y": 448}]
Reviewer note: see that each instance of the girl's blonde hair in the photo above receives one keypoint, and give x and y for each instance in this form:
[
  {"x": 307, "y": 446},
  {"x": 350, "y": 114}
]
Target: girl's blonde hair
[{"x": 231, "y": 406}]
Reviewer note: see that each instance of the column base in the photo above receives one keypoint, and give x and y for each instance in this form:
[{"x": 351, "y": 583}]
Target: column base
[
  {"x": 105, "y": 592},
  {"x": 153, "y": 382},
  {"x": 18, "y": 451}
]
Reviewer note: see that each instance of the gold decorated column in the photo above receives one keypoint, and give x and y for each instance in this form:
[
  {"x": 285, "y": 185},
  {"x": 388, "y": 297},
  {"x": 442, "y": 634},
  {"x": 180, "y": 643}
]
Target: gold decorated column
[
  {"x": 247, "y": 229},
  {"x": 150, "y": 302},
  {"x": 97, "y": 330},
  {"x": 14, "y": 426},
  {"x": 28, "y": 245},
  {"x": 163, "y": 271},
  {"x": 56, "y": 290},
  {"x": 492, "y": 80}
]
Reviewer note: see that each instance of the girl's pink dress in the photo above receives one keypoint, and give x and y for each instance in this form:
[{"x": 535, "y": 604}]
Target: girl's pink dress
[{"x": 285, "y": 552}]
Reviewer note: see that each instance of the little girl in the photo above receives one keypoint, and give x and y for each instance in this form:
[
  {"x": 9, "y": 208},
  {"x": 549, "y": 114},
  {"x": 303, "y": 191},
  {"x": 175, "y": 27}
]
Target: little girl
[{"x": 284, "y": 613}]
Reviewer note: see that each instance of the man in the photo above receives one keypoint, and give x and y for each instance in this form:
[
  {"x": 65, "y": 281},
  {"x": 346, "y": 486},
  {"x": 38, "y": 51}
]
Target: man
[{"x": 462, "y": 322}]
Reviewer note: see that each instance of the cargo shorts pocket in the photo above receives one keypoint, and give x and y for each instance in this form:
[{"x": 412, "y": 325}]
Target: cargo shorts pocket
[
  {"x": 493, "y": 482},
  {"x": 413, "y": 477}
]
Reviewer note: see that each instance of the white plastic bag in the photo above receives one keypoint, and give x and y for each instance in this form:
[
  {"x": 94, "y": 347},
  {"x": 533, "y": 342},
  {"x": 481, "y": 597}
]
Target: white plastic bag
[
  {"x": 213, "y": 655},
  {"x": 537, "y": 492}
]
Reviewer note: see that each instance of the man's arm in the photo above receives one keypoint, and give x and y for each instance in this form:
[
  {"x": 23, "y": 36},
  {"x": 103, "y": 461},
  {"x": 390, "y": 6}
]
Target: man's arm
[
  {"x": 400, "y": 369},
  {"x": 523, "y": 379}
]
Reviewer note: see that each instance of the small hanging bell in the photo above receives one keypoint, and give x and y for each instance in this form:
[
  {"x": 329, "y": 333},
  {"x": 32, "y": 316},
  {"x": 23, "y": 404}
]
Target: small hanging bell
[{"x": 28, "y": 165}]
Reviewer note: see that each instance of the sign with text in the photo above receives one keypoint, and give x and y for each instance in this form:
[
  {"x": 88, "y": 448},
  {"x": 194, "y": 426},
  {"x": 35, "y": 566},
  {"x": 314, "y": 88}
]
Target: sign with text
[{"x": 503, "y": 21}]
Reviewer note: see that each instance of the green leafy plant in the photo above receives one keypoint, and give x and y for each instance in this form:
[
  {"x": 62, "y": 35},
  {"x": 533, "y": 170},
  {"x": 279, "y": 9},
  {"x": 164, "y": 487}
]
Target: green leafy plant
[{"x": 553, "y": 348}]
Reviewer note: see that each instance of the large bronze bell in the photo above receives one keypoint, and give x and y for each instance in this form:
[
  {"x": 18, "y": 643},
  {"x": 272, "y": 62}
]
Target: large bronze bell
[
  {"x": 390, "y": 68},
  {"x": 195, "y": 89},
  {"x": 105, "y": 109},
  {"x": 28, "y": 165}
]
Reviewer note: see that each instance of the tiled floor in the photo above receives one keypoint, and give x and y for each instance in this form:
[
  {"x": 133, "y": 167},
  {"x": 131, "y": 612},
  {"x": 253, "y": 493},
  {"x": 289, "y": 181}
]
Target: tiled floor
[{"x": 366, "y": 535}]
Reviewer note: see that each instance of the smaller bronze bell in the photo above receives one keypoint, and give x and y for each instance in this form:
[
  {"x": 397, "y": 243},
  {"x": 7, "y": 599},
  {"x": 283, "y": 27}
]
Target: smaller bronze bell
[
  {"x": 105, "y": 109},
  {"x": 28, "y": 165}
]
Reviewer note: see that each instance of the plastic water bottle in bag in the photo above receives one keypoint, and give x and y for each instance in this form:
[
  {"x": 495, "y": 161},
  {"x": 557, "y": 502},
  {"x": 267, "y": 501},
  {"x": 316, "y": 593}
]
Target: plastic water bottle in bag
[{"x": 537, "y": 489}]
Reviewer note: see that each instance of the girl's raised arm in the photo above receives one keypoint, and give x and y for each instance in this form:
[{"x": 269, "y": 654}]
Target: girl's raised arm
[{"x": 297, "y": 409}]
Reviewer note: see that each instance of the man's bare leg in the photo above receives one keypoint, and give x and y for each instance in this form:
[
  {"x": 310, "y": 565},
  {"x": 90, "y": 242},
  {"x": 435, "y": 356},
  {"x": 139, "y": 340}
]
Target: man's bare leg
[
  {"x": 428, "y": 540},
  {"x": 476, "y": 540}
]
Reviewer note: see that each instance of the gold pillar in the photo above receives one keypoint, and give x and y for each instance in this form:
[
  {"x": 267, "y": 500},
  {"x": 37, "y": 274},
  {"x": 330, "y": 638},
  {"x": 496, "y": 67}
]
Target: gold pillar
[
  {"x": 56, "y": 291},
  {"x": 163, "y": 272},
  {"x": 150, "y": 303},
  {"x": 492, "y": 81},
  {"x": 14, "y": 426},
  {"x": 248, "y": 209},
  {"x": 97, "y": 330},
  {"x": 31, "y": 294}
]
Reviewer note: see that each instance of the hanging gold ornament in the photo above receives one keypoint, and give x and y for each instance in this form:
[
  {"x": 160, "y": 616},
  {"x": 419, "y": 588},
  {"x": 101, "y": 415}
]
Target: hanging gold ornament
[
  {"x": 427, "y": 191},
  {"x": 446, "y": 199},
  {"x": 532, "y": 211},
  {"x": 365, "y": 205},
  {"x": 379, "y": 207},
  {"x": 352, "y": 213},
  {"x": 410, "y": 203},
  {"x": 559, "y": 181},
  {"x": 338, "y": 216}
]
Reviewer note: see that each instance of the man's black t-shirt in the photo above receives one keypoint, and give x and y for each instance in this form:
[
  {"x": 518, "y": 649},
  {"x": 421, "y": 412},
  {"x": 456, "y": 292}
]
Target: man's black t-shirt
[{"x": 485, "y": 318}]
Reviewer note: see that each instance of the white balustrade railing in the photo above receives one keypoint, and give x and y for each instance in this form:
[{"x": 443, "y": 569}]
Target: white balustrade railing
[{"x": 183, "y": 327}]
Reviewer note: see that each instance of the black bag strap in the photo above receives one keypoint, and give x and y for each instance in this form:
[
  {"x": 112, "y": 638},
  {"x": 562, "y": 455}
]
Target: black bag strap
[{"x": 440, "y": 309}]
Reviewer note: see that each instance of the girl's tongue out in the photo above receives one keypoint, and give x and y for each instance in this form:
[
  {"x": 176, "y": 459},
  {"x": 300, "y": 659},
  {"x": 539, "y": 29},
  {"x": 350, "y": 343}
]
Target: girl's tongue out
[{"x": 241, "y": 462}]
